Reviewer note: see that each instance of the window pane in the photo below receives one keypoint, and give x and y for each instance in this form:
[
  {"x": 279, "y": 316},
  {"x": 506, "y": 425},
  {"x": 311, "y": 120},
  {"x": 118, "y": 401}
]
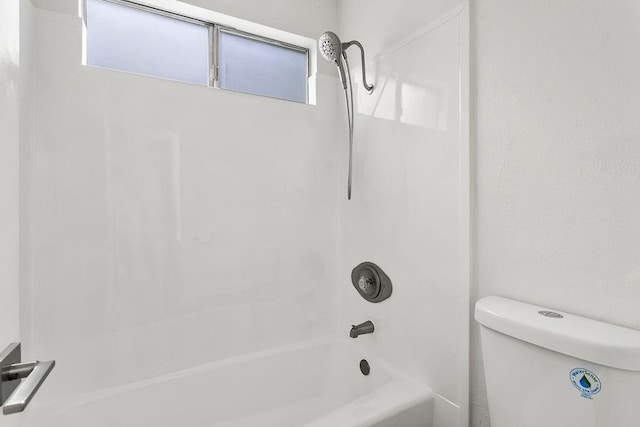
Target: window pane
[
  {"x": 261, "y": 68},
  {"x": 129, "y": 39}
]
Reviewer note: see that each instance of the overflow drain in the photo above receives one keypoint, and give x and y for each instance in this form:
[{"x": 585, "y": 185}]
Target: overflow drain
[{"x": 364, "y": 367}]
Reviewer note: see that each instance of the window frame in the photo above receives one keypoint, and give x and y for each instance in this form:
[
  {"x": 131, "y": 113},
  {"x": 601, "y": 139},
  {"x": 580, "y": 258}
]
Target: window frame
[{"x": 215, "y": 29}]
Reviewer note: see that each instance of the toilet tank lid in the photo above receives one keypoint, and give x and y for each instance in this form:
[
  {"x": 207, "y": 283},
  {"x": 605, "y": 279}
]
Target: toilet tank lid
[{"x": 582, "y": 338}]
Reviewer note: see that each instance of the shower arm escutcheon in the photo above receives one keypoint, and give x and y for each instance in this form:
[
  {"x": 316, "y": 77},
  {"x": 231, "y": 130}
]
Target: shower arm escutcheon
[{"x": 15, "y": 394}]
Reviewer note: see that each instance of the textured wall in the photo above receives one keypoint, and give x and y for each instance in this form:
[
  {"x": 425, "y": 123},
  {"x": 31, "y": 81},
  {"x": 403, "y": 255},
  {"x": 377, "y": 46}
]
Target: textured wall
[{"x": 557, "y": 138}]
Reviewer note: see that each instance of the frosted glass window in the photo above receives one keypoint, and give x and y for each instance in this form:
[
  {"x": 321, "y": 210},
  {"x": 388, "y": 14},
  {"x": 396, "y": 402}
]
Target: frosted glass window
[
  {"x": 138, "y": 41},
  {"x": 262, "y": 68}
]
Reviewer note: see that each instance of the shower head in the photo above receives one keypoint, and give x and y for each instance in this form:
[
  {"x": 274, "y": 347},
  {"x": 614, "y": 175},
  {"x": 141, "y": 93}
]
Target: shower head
[
  {"x": 330, "y": 46},
  {"x": 332, "y": 49}
]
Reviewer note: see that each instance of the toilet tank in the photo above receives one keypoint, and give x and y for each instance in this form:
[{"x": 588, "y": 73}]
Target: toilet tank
[{"x": 547, "y": 368}]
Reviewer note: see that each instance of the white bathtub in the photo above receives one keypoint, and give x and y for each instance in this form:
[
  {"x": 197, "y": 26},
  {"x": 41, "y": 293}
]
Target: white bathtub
[{"x": 312, "y": 384}]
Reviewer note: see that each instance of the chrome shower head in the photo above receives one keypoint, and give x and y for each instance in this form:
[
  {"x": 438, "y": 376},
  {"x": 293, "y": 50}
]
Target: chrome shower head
[
  {"x": 330, "y": 46},
  {"x": 331, "y": 50}
]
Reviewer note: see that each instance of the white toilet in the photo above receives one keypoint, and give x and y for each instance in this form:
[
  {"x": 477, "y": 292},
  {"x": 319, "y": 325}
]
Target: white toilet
[{"x": 546, "y": 368}]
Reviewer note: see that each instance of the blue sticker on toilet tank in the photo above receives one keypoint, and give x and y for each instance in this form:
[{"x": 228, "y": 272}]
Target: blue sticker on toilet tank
[{"x": 586, "y": 382}]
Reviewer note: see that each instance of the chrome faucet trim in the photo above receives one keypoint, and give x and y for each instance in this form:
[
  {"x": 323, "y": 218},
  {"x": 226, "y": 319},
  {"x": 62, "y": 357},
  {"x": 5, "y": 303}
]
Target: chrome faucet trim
[
  {"x": 19, "y": 381},
  {"x": 361, "y": 329}
]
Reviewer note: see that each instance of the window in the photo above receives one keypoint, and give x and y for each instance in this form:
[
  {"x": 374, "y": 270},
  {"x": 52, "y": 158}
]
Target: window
[
  {"x": 252, "y": 65},
  {"x": 133, "y": 40},
  {"x": 137, "y": 39}
]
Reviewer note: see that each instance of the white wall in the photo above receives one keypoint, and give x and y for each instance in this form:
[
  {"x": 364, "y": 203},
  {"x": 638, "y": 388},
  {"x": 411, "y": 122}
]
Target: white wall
[
  {"x": 171, "y": 224},
  {"x": 558, "y": 159},
  {"x": 10, "y": 86},
  {"x": 9, "y": 172},
  {"x": 379, "y": 23},
  {"x": 305, "y": 17},
  {"x": 409, "y": 208},
  {"x": 288, "y": 15}
]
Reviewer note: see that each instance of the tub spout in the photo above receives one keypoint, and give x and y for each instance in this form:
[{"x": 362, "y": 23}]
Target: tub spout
[{"x": 361, "y": 329}]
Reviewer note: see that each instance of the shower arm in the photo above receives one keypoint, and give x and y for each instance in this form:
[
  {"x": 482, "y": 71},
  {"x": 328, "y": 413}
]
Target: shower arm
[{"x": 368, "y": 87}]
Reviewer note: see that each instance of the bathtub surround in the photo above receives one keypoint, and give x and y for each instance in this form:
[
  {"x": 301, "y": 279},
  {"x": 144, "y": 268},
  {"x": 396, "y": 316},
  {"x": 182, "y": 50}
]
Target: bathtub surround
[
  {"x": 409, "y": 210},
  {"x": 14, "y": 63},
  {"x": 9, "y": 161},
  {"x": 171, "y": 225}
]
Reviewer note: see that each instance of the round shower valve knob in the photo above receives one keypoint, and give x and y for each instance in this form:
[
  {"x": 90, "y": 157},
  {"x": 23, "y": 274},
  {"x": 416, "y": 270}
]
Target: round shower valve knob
[
  {"x": 366, "y": 283},
  {"x": 371, "y": 282}
]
